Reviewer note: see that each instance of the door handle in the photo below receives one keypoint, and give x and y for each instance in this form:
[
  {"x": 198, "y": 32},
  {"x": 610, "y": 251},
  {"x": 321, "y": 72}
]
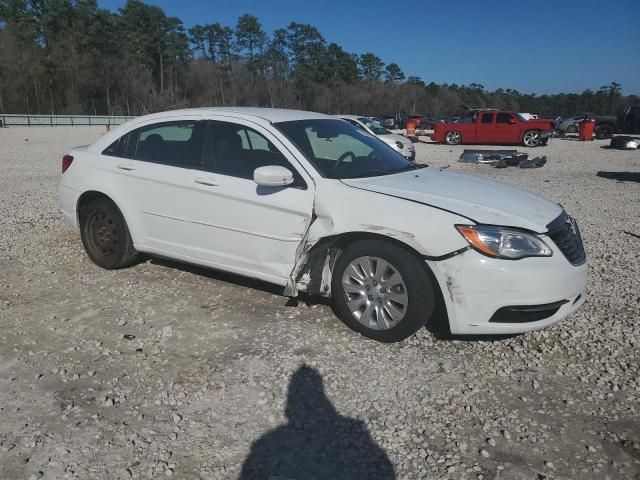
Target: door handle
[
  {"x": 209, "y": 182},
  {"x": 126, "y": 166}
]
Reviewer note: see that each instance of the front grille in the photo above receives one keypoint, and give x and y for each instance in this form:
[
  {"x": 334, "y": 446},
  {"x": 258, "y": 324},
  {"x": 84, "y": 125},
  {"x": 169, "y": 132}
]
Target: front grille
[{"x": 565, "y": 234}]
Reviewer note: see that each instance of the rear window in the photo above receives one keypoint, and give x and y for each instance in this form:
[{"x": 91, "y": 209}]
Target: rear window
[{"x": 487, "y": 118}]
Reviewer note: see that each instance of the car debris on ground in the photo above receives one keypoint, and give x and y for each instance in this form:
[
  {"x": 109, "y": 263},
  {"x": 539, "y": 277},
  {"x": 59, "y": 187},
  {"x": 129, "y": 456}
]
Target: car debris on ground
[
  {"x": 502, "y": 158},
  {"x": 623, "y": 142}
]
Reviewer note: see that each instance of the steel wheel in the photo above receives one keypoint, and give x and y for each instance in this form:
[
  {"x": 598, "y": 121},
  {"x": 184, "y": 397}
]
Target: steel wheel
[
  {"x": 453, "y": 138},
  {"x": 532, "y": 138},
  {"x": 375, "y": 292},
  {"x": 103, "y": 234}
]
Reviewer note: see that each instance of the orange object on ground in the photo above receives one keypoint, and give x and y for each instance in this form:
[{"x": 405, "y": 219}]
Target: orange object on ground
[
  {"x": 586, "y": 129},
  {"x": 411, "y": 128}
]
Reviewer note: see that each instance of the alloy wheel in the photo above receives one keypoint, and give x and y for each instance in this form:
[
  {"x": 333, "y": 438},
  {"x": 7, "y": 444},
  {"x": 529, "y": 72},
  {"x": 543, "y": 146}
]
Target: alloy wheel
[{"x": 532, "y": 138}]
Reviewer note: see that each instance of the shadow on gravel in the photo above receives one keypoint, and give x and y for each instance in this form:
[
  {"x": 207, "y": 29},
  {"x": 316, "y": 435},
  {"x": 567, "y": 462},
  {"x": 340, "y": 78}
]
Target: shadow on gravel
[
  {"x": 316, "y": 442},
  {"x": 240, "y": 281},
  {"x": 620, "y": 176}
]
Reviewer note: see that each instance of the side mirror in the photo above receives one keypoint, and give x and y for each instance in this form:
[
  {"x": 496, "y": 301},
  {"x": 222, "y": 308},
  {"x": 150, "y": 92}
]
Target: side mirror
[
  {"x": 512, "y": 121},
  {"x": 273, "y": 176}
]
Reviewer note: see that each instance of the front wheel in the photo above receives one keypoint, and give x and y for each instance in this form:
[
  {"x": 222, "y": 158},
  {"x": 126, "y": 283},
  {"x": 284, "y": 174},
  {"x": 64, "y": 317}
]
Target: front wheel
[
  {"x": 382, "y": 291},
  {"x": 453, "y": 138},
  {"x": 531, "y": 138}
]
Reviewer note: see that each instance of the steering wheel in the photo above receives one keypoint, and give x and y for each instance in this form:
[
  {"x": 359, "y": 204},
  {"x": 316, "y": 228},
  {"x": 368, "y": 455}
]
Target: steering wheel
[{"x": 342, "y": 158}]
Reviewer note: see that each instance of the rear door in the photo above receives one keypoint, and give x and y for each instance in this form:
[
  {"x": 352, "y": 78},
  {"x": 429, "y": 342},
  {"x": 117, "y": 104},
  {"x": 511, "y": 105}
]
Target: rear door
[
  {"x": 153, "y": 164},
  {"x": 485, "y": 128}
]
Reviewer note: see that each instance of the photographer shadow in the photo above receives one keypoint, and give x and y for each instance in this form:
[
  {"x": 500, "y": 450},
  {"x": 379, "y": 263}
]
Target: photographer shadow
[{"x": 316, "y": 442}]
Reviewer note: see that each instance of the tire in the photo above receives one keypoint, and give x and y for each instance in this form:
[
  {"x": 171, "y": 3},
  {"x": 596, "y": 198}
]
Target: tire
[
  {"x": 572, "y": 129},
  {"x": 604, "y": 131},
  {"x": 531, "y": 138},
  {"x": 388, "y": 299},
  {"x": 105, "y": 235},
  {"x": 453, "y": 138}
]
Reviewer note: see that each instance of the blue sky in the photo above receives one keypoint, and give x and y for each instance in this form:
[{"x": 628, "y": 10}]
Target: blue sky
[{"x": 541, "y": 47}]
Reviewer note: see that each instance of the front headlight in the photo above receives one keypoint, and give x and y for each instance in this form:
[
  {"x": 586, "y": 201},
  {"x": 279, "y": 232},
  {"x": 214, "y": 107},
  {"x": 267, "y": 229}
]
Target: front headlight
[
  {"x": 400, "y": 145},
  {"x": 502, "y": 242}
]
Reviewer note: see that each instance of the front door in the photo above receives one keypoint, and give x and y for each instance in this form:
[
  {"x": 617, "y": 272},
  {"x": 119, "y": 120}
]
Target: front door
[
  {"x": 232, "y": 221},
  {"x": 507, "y": 129}
]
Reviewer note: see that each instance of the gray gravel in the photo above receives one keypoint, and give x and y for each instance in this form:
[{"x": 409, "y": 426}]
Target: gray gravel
[{"x": 166, "y": 370}]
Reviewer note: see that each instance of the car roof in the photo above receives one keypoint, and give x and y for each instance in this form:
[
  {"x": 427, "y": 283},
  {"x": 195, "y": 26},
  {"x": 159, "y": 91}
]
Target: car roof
[{"x": 273, "y": 115}]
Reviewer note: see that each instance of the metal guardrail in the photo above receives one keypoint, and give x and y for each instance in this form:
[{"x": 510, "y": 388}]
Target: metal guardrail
[{"x": 10, "y": 119}]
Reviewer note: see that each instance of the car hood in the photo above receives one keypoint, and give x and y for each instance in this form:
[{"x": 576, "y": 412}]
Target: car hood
[{"x": 481, "y": 200}]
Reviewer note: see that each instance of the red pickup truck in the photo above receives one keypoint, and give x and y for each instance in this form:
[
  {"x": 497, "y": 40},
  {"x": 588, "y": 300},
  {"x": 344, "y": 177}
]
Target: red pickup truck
[{"x": 495, "y": 127}]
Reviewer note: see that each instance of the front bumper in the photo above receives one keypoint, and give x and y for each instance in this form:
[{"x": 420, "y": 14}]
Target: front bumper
[{"x": 475, "y": 288}]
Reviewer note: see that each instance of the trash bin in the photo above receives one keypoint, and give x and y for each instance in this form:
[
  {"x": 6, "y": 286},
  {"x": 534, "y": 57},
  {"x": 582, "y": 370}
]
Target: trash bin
[
  {"x": 411, "y": 128},
  {"x": 586, "y": 129}
]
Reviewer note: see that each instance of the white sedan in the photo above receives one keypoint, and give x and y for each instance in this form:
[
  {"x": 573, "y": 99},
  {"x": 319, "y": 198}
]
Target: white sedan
[
  {"x": 400, "y": 144},
  {"x": 311, "y": 203}
]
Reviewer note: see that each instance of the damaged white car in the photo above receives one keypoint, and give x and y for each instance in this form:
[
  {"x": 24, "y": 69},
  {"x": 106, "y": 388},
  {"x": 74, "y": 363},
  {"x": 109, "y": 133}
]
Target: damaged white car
[{"x": 313, "y": 204}]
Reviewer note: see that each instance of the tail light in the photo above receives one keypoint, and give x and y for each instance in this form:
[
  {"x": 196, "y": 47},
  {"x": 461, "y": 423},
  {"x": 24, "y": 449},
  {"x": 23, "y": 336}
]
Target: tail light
[{"x": 66, "y": 162}]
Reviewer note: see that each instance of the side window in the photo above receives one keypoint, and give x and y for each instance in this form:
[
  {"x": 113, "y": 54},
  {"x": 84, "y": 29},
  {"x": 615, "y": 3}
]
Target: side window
[
  {"x": 114, "y": 150},
  {"x": 487, "y": 118},
  {"x": 254, "y": 141},
  {"x": 170, "y": 143},
  {"x": 236, "y": 151},
  {"x": 503, "y": 118}
]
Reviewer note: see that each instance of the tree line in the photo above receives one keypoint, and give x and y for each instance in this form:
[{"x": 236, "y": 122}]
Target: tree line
[{"x": 72, "y": 57}]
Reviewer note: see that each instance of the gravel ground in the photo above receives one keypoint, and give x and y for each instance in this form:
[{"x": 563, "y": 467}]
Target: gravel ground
[{"x": 168, "y": 370}]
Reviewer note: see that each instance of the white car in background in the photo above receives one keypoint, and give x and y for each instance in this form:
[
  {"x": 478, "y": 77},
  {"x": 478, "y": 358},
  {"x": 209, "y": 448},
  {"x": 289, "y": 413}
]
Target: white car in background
[
  {"x": 311, "y": 203},
  {"x": 401, "y": 144}
]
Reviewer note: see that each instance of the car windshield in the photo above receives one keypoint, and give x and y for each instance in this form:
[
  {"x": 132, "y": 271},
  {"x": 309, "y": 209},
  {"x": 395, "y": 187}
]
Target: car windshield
[
  {"x": 337, "y": 149},
  {"x": 374, "y": 126}
]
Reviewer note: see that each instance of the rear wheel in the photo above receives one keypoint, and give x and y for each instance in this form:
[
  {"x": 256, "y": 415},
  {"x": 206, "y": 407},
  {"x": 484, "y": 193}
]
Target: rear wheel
[
  {"x": 105, "y": 235},
  {"x": 531, "y": 138},
  {"x": 382, "y": 291},
  {"x": 572, "y": 129},
  {"x": 453, "y": 138}
]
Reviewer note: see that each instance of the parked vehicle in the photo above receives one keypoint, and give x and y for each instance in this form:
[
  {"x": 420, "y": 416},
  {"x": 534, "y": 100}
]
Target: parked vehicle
[
  {"x": 417, "y": 120},
  {"x": 630, "y": 120},
  {"x": 400, "y": 144},
  {"x": 394, "y": 122},
  {"x": 313, "y": 204},
  {"x": 494, "y": 127},
  {"x": 606, "y": 125}
]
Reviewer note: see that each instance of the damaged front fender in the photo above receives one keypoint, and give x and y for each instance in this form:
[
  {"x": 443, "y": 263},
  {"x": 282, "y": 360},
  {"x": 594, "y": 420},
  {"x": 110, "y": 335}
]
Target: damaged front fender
[{"x": 333, "y": 226}]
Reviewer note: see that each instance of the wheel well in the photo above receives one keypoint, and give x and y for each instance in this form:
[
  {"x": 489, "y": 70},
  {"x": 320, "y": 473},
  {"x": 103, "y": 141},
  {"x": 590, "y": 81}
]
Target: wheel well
[
  {"x": 90, "y": 196},
  {"x": 333, "y": 246}
]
